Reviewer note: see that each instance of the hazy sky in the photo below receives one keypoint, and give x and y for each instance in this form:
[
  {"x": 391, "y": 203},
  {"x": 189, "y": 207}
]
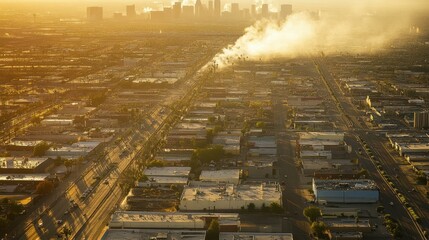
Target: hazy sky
[
  {"x": 245, "y": 3},
  {"x": 78, "y": 7}
]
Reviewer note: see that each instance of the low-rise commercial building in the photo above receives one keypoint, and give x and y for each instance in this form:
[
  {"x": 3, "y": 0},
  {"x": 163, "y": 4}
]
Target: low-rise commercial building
[
  {"x": 221, "y": 176},
  {"x": 255, "y": 236},
  {"x": 348, "y": 225},
  {"x": 229, "y": 196},
  {"x": 173, "y": 220},
  {"x": 160, "y": 234},
  {"x": 15, "y": 165},
  {"x": 165, "y": 176},
  {"x": 345, "y": 191}
]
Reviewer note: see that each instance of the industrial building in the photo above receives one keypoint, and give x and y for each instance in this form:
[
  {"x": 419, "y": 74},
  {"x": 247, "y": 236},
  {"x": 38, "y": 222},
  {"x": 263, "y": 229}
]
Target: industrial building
[
  {"x": 165, "y": 234},
  {"x": 345, "y": 191},
  {"x": 255, "y": 236},
  {"x": 422, "y": 148},
  {"x": 322, "y": 136},
  {"x": 173, "y": 220},
  {"x": 25, "y": 165},
  {"x": 348, "y": 225},
  {"x": 29, "y": 181},
  {"x": 165, "y": 176},
  {"x": 229, "y": 196},
  {"x": 221, "y": 176}
]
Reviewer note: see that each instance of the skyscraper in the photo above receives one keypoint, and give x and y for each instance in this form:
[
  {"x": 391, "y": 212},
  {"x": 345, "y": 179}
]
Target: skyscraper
[
  {"x": 198, "y": 8},
  {"x": 285, "y": 10},
  {"x": 211, "y": 8},
  {"x": 235, "y": 9},
  {"x": 264, "y": 11},
  {"x": 188, "y": 12},
  {"x": 253, "y": 10},
  {"x": 131, "y": 10},
  {"x": 177, "y": 9},
  {"x": 217, "y": 8},
  {"x": 94, "y": 13}
]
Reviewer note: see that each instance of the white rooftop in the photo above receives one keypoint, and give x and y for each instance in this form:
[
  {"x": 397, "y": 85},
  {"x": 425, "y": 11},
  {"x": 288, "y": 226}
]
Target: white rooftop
[
  {"x": 330, "y": 136},
  {"x": 21, "y": 162},
  {"x": 220, "y": 175},
  {"x": 168, "y": 171},
  {"x": 167, "y": 234},
  {"x": 315, "y": 164},
  {"x": 264, "y": 191},
  {"x": 24, "y": 177},
  {"x": 254, "y": 236},
  {"x": 169, "y": 217},
  {"x": 168, "y": 180}
]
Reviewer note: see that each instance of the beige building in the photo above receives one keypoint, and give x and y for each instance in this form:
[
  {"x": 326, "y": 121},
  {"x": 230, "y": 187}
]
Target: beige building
[{"x": 229, "y": 196}]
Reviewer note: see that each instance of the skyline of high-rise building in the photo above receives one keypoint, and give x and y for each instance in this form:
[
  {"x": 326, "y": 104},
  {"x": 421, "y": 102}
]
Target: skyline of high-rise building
[
  {"x": 264, "y": 11},
  {"x": 198, "y": 8},
  {"x": 177, "y": 9},
  {"x": 285, "y": 10},
  {"x": 235, "y": 10},
  {"x": 131, "y": 10},
  {"x": 94, "y": 13},
  {"x": 217, "y": 8}
]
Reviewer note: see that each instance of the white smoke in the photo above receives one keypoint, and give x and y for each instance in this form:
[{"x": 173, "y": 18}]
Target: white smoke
[{"x": 304, "y": 33}]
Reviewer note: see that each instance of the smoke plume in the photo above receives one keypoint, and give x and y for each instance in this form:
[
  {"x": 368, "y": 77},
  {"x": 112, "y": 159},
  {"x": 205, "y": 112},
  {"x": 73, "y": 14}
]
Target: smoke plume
[{"x": 304, "y": 33}]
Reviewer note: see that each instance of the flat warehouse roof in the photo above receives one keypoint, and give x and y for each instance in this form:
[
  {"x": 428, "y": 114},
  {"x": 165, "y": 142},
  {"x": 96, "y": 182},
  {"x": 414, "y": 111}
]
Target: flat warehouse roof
[{"x": 340, "y": 184}]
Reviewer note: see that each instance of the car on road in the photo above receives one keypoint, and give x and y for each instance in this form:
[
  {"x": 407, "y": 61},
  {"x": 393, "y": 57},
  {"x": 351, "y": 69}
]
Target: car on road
[
  {"x": 285, "y": 175},
  {"x": 66, "y": 212},
  {"x": 106, "y": 182},
  {"x": 83, "y": 196},
  {"x": 59, "y": 222},
  {"x": 391, "y": 204}
]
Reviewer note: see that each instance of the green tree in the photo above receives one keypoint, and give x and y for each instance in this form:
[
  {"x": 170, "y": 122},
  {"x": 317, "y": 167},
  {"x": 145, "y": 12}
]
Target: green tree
[
  {"x": 260, "y": 124},
  {"x": 251, "y": 207},
  {"x": 68, "y": 164},
  {"x": 36, "y": 120},
  {"x": 15, "y": 208},
  {"x": 156, "y": 163},
  {"x": 79, "y": 120},
  {"x": 319, "y": 229},
  {"x": 4, "y": 224},
  {"x": 206, "y": 155},
  {"x": 58, "y": 161},
  {"x": 5, "y": 154},
  {"x": 212, "y": 119},
  {"x": 312, "y": 213},
  {"x": 380, "y": 209},
  {"x": 276, "y": 208},
  {"x": 143, "y": 178},
  {"x": 363, "y": 173},
  {"x": 213, "y": 230},
  {"x": 97, "y": 99},
  {"x": 40, "y": 149},
  {"x": 421, "y": 179},
  {"x": 209, "y": 135},
  {"x": 66, "y": 231},
  {"x": 44, "y": 187}
]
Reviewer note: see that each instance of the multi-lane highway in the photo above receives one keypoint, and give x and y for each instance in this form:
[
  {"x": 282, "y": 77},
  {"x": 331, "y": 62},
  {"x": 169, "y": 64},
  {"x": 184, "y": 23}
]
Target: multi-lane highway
[
  {"x": 357, "y": 128},
  {"x": 85, "y": 204}
]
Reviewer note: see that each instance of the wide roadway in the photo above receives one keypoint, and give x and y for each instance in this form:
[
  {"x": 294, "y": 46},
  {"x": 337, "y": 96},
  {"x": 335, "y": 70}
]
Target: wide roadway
[{"x": 356, "y": 127}]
